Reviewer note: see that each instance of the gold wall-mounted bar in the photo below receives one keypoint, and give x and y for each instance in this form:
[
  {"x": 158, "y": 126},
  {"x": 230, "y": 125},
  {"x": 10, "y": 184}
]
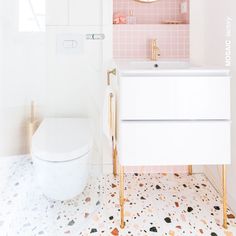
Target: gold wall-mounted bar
[
  {"x": 31, "y": 125},
  {"x": 112, "y": 127},
  {"x": 110, "y": 114},
  {"x": 109, "y": 73}
]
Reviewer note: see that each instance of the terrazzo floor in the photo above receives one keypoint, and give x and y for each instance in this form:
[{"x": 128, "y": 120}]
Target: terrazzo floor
[{"x": 156, "y": 204}]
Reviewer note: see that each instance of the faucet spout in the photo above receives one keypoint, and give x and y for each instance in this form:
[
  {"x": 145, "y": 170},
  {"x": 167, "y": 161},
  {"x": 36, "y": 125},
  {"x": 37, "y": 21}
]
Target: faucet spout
[{"x": 155, "y": 50}]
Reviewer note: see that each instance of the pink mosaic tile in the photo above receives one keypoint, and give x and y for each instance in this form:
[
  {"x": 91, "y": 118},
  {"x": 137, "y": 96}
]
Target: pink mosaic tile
[
  {"x": 152, "y": 13},
  {"x": 133, "y": 41}
]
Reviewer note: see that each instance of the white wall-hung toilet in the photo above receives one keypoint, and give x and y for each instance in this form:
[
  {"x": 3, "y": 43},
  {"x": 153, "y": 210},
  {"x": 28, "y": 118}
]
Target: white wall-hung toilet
[{"x": 61, "y": 150}]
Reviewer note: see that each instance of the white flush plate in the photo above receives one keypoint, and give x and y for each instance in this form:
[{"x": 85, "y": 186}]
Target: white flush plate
[{"x": 70, "y": 43}]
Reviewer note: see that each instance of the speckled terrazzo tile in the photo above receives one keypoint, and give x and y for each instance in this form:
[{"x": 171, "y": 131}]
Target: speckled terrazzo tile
[
  {"x": 156, "y": 204},
  {"x": 25, "y": 211},
  {"x": 163, "y": 205}
]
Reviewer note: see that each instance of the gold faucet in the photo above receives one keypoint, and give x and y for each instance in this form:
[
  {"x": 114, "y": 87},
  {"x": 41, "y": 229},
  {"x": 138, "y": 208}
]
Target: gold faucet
[{"x": 155, "y": 50}]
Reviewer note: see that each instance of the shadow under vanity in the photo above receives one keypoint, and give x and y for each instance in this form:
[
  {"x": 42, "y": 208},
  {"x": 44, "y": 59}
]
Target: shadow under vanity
[{"x": 169, "y": 112}]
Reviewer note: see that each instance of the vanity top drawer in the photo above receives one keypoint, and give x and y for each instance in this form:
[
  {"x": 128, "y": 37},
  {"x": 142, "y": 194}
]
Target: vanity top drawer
[{"x": 175, "y": 98}]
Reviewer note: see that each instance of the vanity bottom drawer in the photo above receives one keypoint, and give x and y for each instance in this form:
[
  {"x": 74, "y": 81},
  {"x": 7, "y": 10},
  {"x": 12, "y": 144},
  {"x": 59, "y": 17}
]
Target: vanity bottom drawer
[{"x": 174, "y": 143}]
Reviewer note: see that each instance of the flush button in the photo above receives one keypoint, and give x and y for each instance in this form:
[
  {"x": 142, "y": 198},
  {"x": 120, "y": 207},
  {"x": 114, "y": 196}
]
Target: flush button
[{"x": 70, "y": 43}]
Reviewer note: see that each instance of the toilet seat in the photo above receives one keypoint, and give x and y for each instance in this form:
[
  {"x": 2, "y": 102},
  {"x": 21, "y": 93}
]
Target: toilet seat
[{"x": 62, "y": 139}]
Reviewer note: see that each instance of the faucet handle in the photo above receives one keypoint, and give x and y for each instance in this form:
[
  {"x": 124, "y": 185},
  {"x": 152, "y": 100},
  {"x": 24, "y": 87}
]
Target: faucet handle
[{"x": 154, "y": 42}]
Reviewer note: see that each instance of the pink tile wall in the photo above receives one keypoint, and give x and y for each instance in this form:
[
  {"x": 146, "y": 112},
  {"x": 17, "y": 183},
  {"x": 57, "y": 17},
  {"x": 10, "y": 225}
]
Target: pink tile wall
[
  {"x": 152, "y": 13},
  {"x": 133, "y": 41}
]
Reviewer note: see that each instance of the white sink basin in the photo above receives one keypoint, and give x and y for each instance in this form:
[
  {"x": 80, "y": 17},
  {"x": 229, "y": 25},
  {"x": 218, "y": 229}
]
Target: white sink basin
[
  {"x": 154, "y": 65},
  {"x": 166, "y": 68}
]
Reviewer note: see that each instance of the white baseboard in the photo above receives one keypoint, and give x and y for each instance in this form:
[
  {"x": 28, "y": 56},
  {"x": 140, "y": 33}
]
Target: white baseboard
[{"x": 108, "y": 169}]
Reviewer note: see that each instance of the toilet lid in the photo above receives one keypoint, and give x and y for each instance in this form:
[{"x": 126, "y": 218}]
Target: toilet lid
[{"x": 62, "y": 139}]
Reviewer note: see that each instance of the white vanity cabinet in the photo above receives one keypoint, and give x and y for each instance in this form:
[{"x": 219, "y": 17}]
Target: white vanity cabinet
[
  {"x": 174, "y": 98},
  {"x": 174, "y": 120}
]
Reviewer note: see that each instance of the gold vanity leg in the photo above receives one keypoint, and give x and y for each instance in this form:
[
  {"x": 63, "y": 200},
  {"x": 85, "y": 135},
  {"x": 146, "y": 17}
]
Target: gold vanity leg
[
  {"x": 122, "y": 200},
  {"x": 112, "y": 131},
  {"x": 190, "y": 170},
  {"x": 224, "y": 183}
]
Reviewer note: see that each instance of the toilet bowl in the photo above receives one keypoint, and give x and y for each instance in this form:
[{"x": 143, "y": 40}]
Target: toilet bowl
[{"x": 61, "y": 150}]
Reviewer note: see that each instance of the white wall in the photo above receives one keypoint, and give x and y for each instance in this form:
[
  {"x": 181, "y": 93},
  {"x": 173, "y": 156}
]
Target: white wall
[
  {"x": 208, "y": 35},
  {"x": 22, "y": 72},
  {"x": 108, "y": 64},
  {"x": 197, "y": 31},
  {"x": 60, "y": 84}
]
